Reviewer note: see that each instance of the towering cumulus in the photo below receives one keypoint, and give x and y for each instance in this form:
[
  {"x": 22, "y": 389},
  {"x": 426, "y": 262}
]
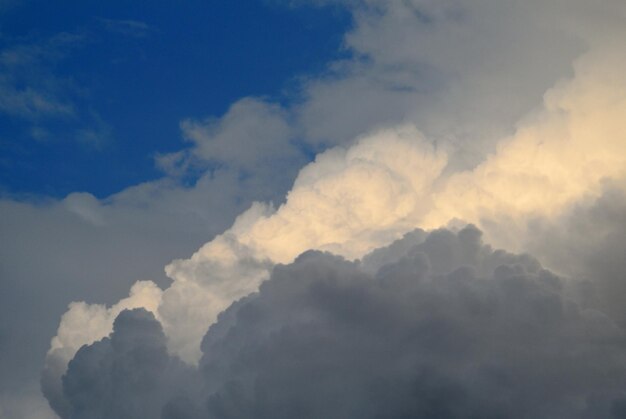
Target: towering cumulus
[{"x": 370, "y": 293}]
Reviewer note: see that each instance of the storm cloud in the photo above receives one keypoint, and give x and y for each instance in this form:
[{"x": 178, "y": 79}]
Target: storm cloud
[{"x": 438, "y": 325}]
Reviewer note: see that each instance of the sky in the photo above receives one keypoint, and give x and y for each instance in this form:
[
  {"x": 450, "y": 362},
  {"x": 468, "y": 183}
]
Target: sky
[
  {"x": 106, "y": 86},
  {"x": 313, "y": 208}
]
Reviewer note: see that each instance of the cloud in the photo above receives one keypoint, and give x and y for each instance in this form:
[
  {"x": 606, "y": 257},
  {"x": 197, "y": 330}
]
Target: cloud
[
  {"x": 323, "y": 340},
  {"x": 350, "y": 201},
  {"x": 133, "y": 361},
  {"x": 561, "y": 153},
  {"x": 31, "y": 103},
  {"x": 466, "y": 75},
  {"x": 143, "y": 294},
  {"x": 587, "y": 243},
  {"x": 26, "y": 401},
  {"x": 35, "y": 92},
  {"x": 29, "y": 89},
  {"x": 340, "y": 202},
  {"x": 254, "y": 137},
  {"x": 127, "y": 27},
  {"x": 452, "y": 67},
  {"x": 463, "y": 72},
  {"x": 227, "y": 268},
  {"x": 250, "y": 131},
  {"x": 446, "y": 328},
  {"x": 92, "y": 250}
]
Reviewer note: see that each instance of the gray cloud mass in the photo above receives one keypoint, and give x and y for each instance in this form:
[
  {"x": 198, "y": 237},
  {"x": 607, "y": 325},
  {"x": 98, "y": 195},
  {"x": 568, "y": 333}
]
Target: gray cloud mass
[
  {"x": 589, "y": 243},
  {"x": 446, "y": 327}
]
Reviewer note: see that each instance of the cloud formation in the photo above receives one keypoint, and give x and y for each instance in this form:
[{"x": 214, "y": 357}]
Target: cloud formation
[
  {"x": 350, "y": 201},
  {"x": 468, "y": 75},
  {"x": 446, "y": 327},
  {"x": 353, "y": 200}
]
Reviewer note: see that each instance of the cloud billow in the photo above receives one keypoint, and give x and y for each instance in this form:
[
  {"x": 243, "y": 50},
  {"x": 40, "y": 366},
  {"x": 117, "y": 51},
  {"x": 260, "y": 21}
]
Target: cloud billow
[{"x": 446, "y": 327}]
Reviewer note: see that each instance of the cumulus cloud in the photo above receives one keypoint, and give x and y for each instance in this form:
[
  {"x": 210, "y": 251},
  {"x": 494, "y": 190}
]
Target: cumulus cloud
[
  {"x": 70, "y": 336},
  {"x": 559, "y": 154},
  {"x": 446, "y": 327},
  {"x": 350, "y": 201},
  {"x": 469, "y": 77},
  {"x": 324, "y": 340},
  {"x": 340, "y": 201}
]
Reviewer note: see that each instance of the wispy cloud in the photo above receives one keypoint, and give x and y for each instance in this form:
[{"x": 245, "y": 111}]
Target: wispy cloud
[
  {"x": 127, "y": 27},
  {"x": 36, "y": 93},
  {"x": 29, "y": 87},
  {"x": 31, "y": 103}
]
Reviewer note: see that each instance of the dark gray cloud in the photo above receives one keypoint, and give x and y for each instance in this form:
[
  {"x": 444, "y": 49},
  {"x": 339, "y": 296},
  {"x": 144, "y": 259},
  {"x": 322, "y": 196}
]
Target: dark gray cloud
[
  {"x": 446, "y": 327},
  {"x": 128, "y": 375}
]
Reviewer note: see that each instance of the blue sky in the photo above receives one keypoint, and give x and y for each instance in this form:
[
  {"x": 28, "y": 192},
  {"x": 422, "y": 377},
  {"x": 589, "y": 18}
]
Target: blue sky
[{"x": 103, "y": 86}]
